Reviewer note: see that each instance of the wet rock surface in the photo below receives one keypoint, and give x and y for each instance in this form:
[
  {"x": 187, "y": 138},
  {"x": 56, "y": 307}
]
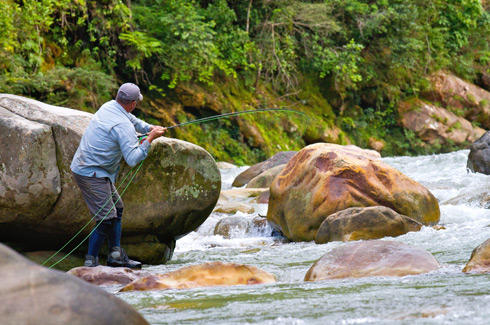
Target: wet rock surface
[
  {"x": 32, "y": 294},
  {"x": 372, "y": 258},
  {"x": 203, "y": 275}
]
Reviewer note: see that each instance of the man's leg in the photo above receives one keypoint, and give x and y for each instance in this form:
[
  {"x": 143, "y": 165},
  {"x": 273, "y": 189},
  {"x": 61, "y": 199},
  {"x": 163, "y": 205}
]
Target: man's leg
[
  {"x": 116, "y": 229},
  {"x": 97, "y": 193},
  {"x": 98, "y": 236},
  {"x": 117, "y": 256}
]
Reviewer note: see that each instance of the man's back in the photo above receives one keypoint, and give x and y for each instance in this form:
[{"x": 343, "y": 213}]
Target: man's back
[{"x": 110, "y": 135}]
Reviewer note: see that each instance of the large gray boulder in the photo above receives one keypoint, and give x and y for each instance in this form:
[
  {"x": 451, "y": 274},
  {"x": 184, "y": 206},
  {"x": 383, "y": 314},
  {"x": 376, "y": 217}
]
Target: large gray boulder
[
  {"x": 45, "y": 155},
  {"x": 479, "y": 156},
  {"x": 31, "y": 294},
  {"x": 41, "y": 208}
]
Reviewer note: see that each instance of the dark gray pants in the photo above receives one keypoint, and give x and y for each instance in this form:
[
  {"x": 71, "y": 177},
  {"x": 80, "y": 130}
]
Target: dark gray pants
[{"x": 100, "y": 195}]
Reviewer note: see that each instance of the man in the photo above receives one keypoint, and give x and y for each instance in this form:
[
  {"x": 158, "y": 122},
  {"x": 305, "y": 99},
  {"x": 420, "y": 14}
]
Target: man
[{"x": 110, "y": 136}]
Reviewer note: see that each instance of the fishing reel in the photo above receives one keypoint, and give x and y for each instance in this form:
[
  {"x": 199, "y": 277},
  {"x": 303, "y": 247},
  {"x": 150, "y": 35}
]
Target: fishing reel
[{"x": 141, "y": 137}]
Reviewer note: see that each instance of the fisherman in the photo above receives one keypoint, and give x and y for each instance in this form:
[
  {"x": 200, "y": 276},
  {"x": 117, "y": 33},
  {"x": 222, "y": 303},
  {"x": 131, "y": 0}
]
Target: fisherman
[{"x": 110, "y": 136}]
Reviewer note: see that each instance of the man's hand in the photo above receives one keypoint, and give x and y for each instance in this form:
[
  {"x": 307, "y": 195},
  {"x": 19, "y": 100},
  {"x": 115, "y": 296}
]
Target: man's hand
[{"x": 156, "y": 131}]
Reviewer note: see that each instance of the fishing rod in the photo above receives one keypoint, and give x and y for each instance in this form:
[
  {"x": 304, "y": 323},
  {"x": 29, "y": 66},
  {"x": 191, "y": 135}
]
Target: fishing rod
[
  {"x": 141, "y": 139},
  {"x": 228, "y": 115}
]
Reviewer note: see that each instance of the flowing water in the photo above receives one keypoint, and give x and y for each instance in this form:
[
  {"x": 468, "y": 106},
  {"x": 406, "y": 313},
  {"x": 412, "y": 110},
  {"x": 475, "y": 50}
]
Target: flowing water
[{"x": 445, "y": 296}]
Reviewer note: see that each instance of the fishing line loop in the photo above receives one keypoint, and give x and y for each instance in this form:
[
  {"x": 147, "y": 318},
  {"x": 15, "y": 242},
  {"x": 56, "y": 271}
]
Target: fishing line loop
[{"x": 197, "y": 121}]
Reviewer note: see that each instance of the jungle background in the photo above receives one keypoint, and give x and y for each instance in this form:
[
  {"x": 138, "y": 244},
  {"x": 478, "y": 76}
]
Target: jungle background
[{"x": 347, "y": 64}]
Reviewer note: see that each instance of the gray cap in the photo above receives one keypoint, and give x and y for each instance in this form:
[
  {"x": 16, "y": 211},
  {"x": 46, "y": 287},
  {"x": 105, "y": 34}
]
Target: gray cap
[{"x": 129, "y": 91}]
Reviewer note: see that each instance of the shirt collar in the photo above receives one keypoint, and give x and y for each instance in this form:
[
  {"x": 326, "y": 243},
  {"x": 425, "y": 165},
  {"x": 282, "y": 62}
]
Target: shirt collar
[{"x": 120, "y": 107}]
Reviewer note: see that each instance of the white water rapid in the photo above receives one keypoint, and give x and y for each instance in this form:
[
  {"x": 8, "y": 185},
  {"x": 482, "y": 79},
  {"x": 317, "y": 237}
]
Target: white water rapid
[{"x": 445, "y": 296}]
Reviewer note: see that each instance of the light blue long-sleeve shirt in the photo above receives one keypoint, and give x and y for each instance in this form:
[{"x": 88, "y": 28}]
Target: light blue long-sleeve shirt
[{"x": 110, "y": 136}]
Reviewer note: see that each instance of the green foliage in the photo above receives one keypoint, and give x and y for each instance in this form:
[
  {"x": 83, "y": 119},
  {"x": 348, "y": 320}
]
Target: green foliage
[
  {"x": 7, "y": 29},
  {"x": 342, "y": 63},
  {"x": 61, "y": 51},
  {"x": 146, "y": 46},
  {"x": 78, "y": 88},
  {"x": 195, "y": 43},
  {"x": 348, "y": 62}
]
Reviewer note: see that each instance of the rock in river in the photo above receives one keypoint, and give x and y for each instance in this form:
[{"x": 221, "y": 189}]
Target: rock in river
[
  {"x": 480, "y": 259},
  {"x": 41, "y": 208},
  {"x": 31, "y": 294},
  {"x": 372, "y": 258},
  {"x": 364, "y": 223},
  {"x": 203, "y": 275},
  {"x": 322, "y": 179}
]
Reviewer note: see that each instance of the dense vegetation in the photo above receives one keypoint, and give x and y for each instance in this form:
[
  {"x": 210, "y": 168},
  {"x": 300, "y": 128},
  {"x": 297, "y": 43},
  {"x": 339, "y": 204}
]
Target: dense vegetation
[{"x": 347, "y": 63}]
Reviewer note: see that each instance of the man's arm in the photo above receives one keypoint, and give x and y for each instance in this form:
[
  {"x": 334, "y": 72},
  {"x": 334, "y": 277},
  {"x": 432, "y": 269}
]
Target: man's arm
[
  {"x": 156, "y": 132},
  {"x": 131, "y": 150},
  {"x": 139, "y": 125}
]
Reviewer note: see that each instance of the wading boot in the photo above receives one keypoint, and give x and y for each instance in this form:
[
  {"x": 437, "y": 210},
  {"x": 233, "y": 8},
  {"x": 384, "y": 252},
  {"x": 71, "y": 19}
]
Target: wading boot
[
  {"x": 91, "y": 261},
  {"x": 118, "y": 258}
]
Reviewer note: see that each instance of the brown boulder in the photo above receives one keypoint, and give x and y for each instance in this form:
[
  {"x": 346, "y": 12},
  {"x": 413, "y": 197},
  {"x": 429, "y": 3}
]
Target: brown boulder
[
  {"x": 435, "y": 124},
  {"x": 323, "y": 179},
  {"x": 203, "y": 275},
  {"x": 257, "y": 169},
  {"x": 105, "y": 275},
  {"x": 368, "y": 153},
  {"x": 364, "y": 223},
  {"x": 263, "y": 198},
  {"x": 264, "y": 180},
  {"x": 472, "y": 101},
  {"x": 376, "y": 144},
  {"x": 480, "y": 259},
  {"x": 372, "y": 258},
  {"x": 31, "y": 294}
]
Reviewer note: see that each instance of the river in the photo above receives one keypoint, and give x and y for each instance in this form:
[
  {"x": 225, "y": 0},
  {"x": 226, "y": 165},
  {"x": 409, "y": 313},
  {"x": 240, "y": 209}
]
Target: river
[{"x": 445, "y": 296}]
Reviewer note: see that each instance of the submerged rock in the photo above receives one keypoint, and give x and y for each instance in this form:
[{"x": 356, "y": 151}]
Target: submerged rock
[
  {"x": 231, "y": 227},
  {"x": 324, "y": 178},
  {"x": 32, "y": 294},
  {"x": 203, "y": 275},
  {"x": 480, "y": 259},
  {"x": 105, "y": 275},
  {"x": 364, "y": 223},
  {"x": 240, "y": 194},
  {"x": 372, "y": 258},
  {"x": 234, "y": 207}
]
